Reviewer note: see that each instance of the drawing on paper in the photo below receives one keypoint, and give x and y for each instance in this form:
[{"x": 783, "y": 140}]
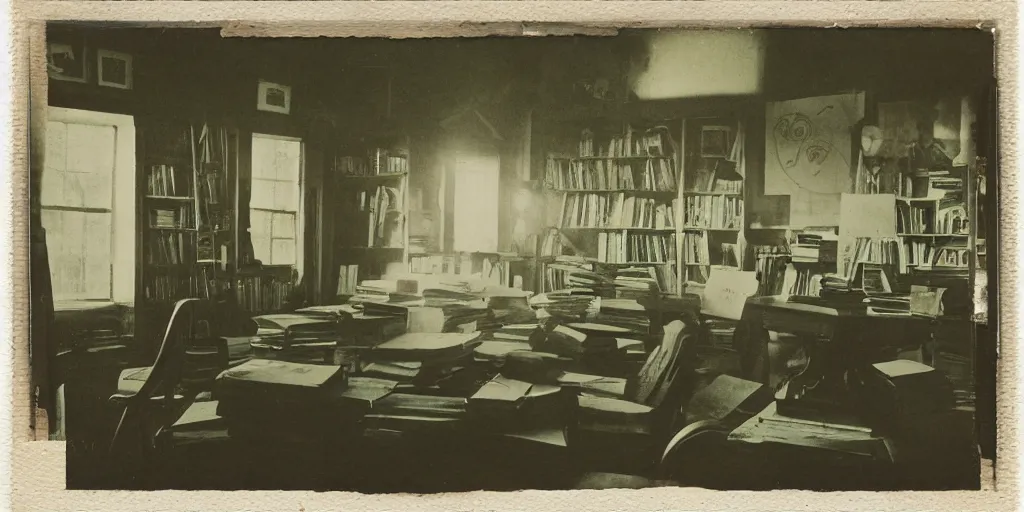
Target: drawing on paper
[{"x": 809, "y": 145}]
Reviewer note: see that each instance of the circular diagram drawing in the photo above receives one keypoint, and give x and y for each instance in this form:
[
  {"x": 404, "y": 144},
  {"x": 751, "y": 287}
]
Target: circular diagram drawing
[{"x": 807, "y": 152}]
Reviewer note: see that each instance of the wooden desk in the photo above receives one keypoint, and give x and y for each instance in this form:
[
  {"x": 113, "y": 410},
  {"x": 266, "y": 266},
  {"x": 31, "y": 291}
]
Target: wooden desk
[{"x": 837, "y": 338}]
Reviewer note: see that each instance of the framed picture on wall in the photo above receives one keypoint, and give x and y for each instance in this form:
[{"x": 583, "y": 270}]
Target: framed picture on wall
[
  {"x": 113, "y": 69},
  {"x": 65, "y": 61},
  {"x": 274, "y": 97},
  {"x": 714, "y": 142}
]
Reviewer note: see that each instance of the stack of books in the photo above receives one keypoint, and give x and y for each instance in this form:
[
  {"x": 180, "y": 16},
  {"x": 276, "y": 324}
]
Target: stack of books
[
  {"x": 640, "y": 282},
  {"x": 296, "y": 337},
  {"x": 627, "y": 314},
  {"x": 166, "y": 218},
  {"x": 888, "y": 304},
  {"x": 406, "y": 413},
  {"x": 506, "y": 404},
  {"x": 278, "y": 397}
]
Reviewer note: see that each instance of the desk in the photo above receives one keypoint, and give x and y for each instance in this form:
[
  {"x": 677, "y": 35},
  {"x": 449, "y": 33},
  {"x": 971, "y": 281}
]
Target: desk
[{"x": 839, "y": 338}]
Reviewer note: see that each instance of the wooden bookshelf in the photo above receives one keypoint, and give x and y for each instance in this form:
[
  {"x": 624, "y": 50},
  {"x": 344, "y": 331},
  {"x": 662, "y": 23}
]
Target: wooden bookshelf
[
  {"x": 186, "y": 215},
  {"x": 711, "y": 198},
  {"x": 371, "y": 179},
  {"x": 617, "y": 188}
]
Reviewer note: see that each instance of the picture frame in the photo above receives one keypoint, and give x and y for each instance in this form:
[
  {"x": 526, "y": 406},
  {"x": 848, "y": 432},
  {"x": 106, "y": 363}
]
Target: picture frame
[
  {"x": 714, "y": 141},
  {"x": 66, "y": 61},
  {"x": 272, "y": 97},
  {"x": 113, "y": 69}
]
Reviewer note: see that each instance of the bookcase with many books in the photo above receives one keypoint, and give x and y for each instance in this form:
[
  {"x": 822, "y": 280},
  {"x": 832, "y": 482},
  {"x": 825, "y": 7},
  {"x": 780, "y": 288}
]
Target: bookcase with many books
[
  {"x": 618, "y": 191},
  {"x": 186, "y": 216},
  {"x": 372, "y": 217},
  {"x": 712, "y": 196}
]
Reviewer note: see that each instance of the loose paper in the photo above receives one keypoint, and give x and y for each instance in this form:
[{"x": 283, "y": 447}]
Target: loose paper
[
  {"x": 727, "y": 291},
  {"x": 864, "y": 216}
]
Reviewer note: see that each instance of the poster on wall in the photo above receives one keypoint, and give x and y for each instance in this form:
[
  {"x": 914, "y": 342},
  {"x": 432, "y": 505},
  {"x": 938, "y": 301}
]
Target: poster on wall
[{"x": 809, "y": 154}]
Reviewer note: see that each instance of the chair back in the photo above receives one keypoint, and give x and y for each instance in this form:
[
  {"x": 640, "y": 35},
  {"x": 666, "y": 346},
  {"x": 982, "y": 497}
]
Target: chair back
[
  {"x": 189, "y": 357},
  {"x": 186, "y": 340}
]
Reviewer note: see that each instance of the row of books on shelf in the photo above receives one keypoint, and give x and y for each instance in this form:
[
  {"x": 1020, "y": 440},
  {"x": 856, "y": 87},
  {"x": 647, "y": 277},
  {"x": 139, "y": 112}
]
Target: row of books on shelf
[
  {"x": 655, "y": 175},
  {"x": 930, "y": 184},
  {"x": 615, "y": 210},
  {"x": 713, "y": 212},
  {"x": 697, "y": 252},
  {"x": 925, "y": 254},
  {"x": 706, "y": 181},
  {"x": 770, "y": 262},
  {"x": 202, "y": 284},
  {"x": 805, "y": 282},
  {"x": 181, "y": 217},
  {"x": 169, "y": 180},
  {"x": 382, "y": 208},
  {"x": 639, "y": 248},
  {"x": 380, "y": 162},
  {"x": 171, "y": 248},
  {"x": 904, "y": 253},
  {"x": 931, "y": 218},
  {"x": 263, "y": 292},
  {"x": 631, "y": 142}
]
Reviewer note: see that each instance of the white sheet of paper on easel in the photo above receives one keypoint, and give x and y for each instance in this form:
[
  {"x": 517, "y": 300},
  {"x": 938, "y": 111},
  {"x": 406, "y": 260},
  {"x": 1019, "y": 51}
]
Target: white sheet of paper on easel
[{"x": 726, "y": 291}]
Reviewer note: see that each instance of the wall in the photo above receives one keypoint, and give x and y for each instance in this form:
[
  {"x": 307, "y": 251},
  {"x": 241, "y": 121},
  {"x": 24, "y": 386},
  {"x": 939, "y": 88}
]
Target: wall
[
  {"x": 887, "y": 64},
  {"x": 694, "y": 62}
]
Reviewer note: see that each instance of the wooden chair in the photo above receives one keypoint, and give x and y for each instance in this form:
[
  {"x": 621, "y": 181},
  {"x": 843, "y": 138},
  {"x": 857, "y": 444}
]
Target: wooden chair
[{"x": 189, "y": 359}]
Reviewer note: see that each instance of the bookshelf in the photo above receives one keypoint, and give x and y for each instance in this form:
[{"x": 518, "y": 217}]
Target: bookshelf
[
  {"x": 372, "y": 181},
  {"x": 617, "y": 187},
  {"x": 186, "y": 215},
  {"x": 711, "y": 193},
  {"x": 933, "y": 228}
]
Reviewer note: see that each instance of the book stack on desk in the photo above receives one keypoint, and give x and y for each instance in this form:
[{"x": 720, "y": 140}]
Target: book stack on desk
[
  {"x": 279, "y": 397},
  {"x": 400, "y": 414},
  {"x": 295, "y": 337},
  {"x": 373, "y": 291},
  {"x": 505, "y": 339},
  {"x": 640, "y": 282},
  {"x": 510, "y": 307},
  {"x": 567, "y": 305},
  {"x": 571, "y": 342},
  {"x": 603, "y": 421},
  {"x": 901, "y": 392},
  {"x": 336, "y": 312},
  {"x": 419, "y": 359},
  {"x": 625, "y": 313},
  {"x": 508, "y": 405},
  {"x": 888, "y": 304}
]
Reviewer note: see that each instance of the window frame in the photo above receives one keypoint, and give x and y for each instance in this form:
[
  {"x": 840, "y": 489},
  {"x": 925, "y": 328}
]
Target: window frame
[
  {"x": 123, "y": 200},
  {"x": 300, "y": 221}
]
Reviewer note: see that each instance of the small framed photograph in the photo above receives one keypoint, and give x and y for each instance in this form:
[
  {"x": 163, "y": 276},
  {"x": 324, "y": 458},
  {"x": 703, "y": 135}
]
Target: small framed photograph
[
  {"x": 714, "y": 142},
  {"x": 66, "y": 62},
  {"x": 113, "y": 69},
  {"x": 274, "y": 98}
]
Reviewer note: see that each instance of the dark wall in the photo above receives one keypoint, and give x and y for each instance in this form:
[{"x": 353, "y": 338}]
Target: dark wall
[{"x": 893, "y": 64}]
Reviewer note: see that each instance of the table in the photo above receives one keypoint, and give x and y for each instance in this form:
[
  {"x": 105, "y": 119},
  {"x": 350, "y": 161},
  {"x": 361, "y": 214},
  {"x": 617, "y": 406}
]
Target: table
[{"x": 838, "y": 338}]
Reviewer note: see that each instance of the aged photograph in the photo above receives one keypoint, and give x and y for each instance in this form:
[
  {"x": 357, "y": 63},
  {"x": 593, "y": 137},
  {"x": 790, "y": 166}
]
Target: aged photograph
[{"x": 731, "y": 259}]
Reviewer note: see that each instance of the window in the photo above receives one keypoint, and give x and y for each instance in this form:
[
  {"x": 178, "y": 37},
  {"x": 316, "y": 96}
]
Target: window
[
  {"x": 88, "y": 204},
  {"x": 275, "y": 223},
  {"x": 476, "y": 203}
]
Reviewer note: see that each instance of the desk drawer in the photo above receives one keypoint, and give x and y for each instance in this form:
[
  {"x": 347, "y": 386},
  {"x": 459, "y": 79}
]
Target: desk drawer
[{"x": 794, "y": 322}]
